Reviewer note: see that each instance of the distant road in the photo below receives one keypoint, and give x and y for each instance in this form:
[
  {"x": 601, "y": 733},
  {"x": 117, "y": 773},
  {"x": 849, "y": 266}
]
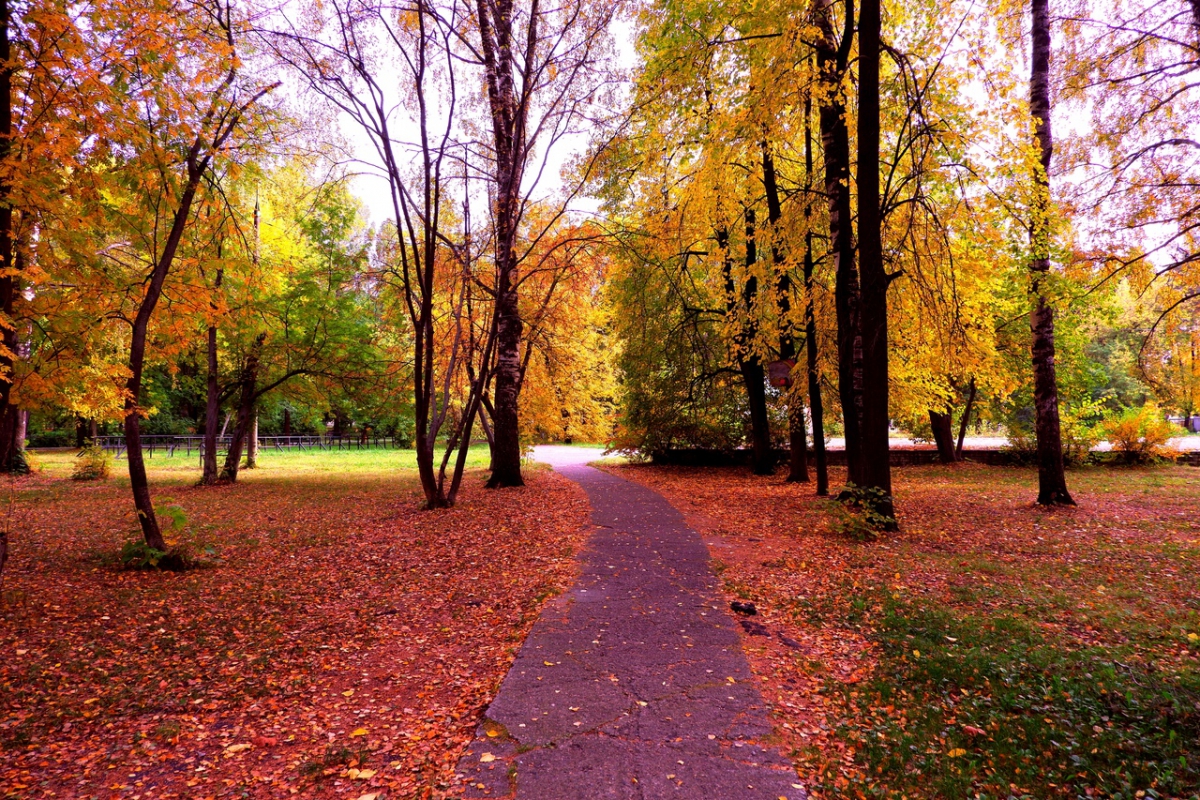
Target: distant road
[{"x": 1182, "y": 443}]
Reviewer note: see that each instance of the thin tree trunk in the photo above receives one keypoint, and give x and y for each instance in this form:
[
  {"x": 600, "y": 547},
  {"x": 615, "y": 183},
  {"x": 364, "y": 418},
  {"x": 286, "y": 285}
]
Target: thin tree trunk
[
  {"x": 815, "y": 403},
  {"x": 245, "y": 411},
  {"x": 877, "y": 467},
  {"x": 252, "y": 449},
  {"x": 1052, "y": 479},
  {"x": 9, "y": 261},
  {"x": 966, "y": 418},
  {"x": 797, "y": 443},
  {"x": 753, "y": 373},
  {"x": 943, "y": 435},
  {"x": 212, "y": 407},
  {"x": 832, "y": 62},
  {"x": 138, "y": 480}
]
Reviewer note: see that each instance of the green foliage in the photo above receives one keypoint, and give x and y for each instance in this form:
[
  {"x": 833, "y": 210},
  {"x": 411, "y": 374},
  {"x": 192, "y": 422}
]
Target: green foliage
[
  {"x": 858, "y": 515},
  {"x": 1080, "y": 433},
  {"x": 1140, "y": 435},
  {"x": 92, "y": 463},
  {"x": 137, "y": 554},
  {"x": 20, "y": 463},
  {"x": 979, "y": 706}
]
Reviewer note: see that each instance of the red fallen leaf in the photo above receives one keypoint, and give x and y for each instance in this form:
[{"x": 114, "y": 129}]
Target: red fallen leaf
[
  {"x": 971, "y": 729},
  {"x": 241, "y": 648}
]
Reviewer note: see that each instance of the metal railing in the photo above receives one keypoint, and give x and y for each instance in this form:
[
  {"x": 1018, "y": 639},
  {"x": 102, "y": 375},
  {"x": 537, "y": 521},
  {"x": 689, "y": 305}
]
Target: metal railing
[{"x": 170, "y": 445}]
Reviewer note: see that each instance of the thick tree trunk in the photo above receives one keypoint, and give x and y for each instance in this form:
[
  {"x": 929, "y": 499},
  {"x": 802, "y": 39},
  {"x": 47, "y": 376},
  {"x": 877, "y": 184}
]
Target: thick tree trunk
[
  {"x": 943, "y": 435},
  {"x": 506, "y": 449},
  {"x": 509, "y": 116},
  {"x": 877, "y": 467},
  {"x": 966, "y": 418},
  {"x": 80, "y": 432},
  {"x": 815, "y": 402},
  {"x": 247, "y": 395},
  {"x": 832, "y": 61},
  {"x": 1052, "y": 479},
  {"x": 797, "y": 441}
]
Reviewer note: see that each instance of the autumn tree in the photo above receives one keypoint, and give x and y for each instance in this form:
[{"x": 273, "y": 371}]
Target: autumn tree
[
  {"x": 346, "y": 56},
  {"x": 544, "y": 67},
  {"x": 1052, "y": 481},
  {"x": 188, "y": 112}
]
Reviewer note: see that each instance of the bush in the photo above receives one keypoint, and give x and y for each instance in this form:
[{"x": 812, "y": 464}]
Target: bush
[
  {"x": 92, "y": 463},
  {"x": 1139, "y": 435},
  {"x": 859, "y": 516}
]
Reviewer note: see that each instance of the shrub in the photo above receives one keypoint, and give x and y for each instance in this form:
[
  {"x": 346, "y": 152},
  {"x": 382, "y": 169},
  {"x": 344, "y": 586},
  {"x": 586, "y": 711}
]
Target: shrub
[
  {"x": 859, "y": 515},
  {"x": 92, "y": 463},
  {"x": 1139, "y": 435},
  {"x": 136, "y": 554}
]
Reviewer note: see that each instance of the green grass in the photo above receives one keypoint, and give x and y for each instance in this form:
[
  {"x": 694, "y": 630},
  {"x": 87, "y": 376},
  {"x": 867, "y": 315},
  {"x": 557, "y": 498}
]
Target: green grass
[
  {"x": 1054, "y": 721},
  {"x": 272, "y": 465}
]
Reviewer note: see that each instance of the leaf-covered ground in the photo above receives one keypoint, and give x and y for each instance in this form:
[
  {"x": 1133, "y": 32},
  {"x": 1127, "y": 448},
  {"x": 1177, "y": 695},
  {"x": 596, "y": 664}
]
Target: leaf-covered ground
[
  {"x": 990, "y": 649},
  {"x": 343, "y": 645}
]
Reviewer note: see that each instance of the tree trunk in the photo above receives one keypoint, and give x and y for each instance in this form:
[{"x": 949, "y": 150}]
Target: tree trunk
[
  {"x": 509, "y": 116},
  {"x": 943, "y": 435},
  {"x": 815, "y": 403},
  {"x": 252, "y": 448},
  {"x": 1052, "y": 479},
  {"x": 212, "y": 412},
  {"x": 877, "y": 467},
  {"x": 832, "y": 61},
  {"x": 751, "y": 366},
  {"x": 9, "y": 262},
  {"x": 966, "y": 418},
  {"x": 138, "y": 481},
  {"x": 797, "y": 443},
  {"x": 23, "y": 429},
  {"x": 248, "y": 381},
  {"x": 287, "y": 422},
  {"x": 80, "y": 432},
  {"x": 212, "y": 406}
]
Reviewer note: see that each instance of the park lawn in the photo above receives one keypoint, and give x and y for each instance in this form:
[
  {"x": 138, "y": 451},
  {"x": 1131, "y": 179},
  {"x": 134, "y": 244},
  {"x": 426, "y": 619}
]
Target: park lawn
[
  {"x": 989, "y": 649},
  {"x": 342, "y": 642}
]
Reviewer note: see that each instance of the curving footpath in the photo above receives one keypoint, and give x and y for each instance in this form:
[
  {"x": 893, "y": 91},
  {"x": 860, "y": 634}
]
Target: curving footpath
[{"x": 633, "y": 683}]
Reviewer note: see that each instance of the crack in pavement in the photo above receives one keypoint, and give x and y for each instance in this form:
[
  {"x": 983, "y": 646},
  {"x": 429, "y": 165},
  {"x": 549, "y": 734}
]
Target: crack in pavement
[{"x": 632, "y": 685}]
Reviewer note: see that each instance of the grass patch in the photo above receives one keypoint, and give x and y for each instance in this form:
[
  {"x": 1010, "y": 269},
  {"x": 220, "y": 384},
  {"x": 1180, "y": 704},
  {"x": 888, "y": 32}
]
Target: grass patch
[{"x": 990, "y": 707}]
